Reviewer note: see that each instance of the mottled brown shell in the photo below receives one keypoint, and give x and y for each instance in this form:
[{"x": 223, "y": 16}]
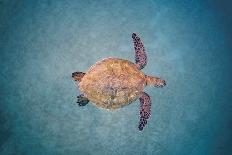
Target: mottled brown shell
[{"x": 112, "y": 83}]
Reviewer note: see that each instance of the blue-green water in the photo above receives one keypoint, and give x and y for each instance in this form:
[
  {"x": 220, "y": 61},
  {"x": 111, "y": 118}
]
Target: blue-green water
[{"x": 42, "y": 43}]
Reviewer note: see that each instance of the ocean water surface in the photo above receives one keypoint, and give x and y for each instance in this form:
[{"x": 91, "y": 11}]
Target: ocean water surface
[{"x": 43, "y": 42}]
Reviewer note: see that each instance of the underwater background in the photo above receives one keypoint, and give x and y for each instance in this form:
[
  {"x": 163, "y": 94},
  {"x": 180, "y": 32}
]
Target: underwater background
[{"x": 188, "y": 44}]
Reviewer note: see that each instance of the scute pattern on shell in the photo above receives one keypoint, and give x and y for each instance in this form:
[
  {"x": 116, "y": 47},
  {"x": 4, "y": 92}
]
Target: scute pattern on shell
[{"x": 113, "y": 83}]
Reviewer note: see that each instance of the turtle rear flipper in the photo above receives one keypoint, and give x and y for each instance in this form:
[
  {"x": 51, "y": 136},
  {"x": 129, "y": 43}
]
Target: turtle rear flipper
[
  {"x": 77, "y": 76},
  {"x": 145, "y": 110},
  {"x": 82, "y": 100},
  {"x": 140, "y": 54}
]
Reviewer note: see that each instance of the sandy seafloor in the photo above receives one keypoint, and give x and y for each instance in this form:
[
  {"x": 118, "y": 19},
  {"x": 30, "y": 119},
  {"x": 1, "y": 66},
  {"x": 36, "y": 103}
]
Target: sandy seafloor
[{"x": 43, "y": 42}]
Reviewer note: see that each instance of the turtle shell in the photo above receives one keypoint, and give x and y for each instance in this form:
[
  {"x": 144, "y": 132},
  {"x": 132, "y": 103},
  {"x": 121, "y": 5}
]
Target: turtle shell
[{"x": 112, "y": 83}]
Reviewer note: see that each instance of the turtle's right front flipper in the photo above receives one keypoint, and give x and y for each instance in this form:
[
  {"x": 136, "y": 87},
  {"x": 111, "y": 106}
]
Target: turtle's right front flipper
[
  {"x": 77, "y": 76},
  {"x": 145, "y": 110}
]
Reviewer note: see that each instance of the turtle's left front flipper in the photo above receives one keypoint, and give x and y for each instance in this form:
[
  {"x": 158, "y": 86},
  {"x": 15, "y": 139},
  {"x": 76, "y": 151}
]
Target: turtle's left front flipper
[
  {"x": 145, "y": 110},
  {"x": 140, "y": 54}
]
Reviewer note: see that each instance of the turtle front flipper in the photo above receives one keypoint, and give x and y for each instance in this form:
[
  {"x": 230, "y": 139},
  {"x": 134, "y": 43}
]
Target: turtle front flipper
[
  {"x": 82, "y": 100},
  {"x": 140, "y": 54},
  {"x": 145, "y": 110},
  {"x": 77, "y": 76}
]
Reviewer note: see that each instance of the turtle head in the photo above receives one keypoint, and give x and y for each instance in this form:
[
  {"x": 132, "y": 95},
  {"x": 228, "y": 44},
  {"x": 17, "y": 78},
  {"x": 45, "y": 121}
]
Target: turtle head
[{"x": 154, "y": 81}]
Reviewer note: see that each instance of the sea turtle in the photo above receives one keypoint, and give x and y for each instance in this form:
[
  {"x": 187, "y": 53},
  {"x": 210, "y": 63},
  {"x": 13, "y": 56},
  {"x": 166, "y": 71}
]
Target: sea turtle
[{"x": 113, "y": 83}]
